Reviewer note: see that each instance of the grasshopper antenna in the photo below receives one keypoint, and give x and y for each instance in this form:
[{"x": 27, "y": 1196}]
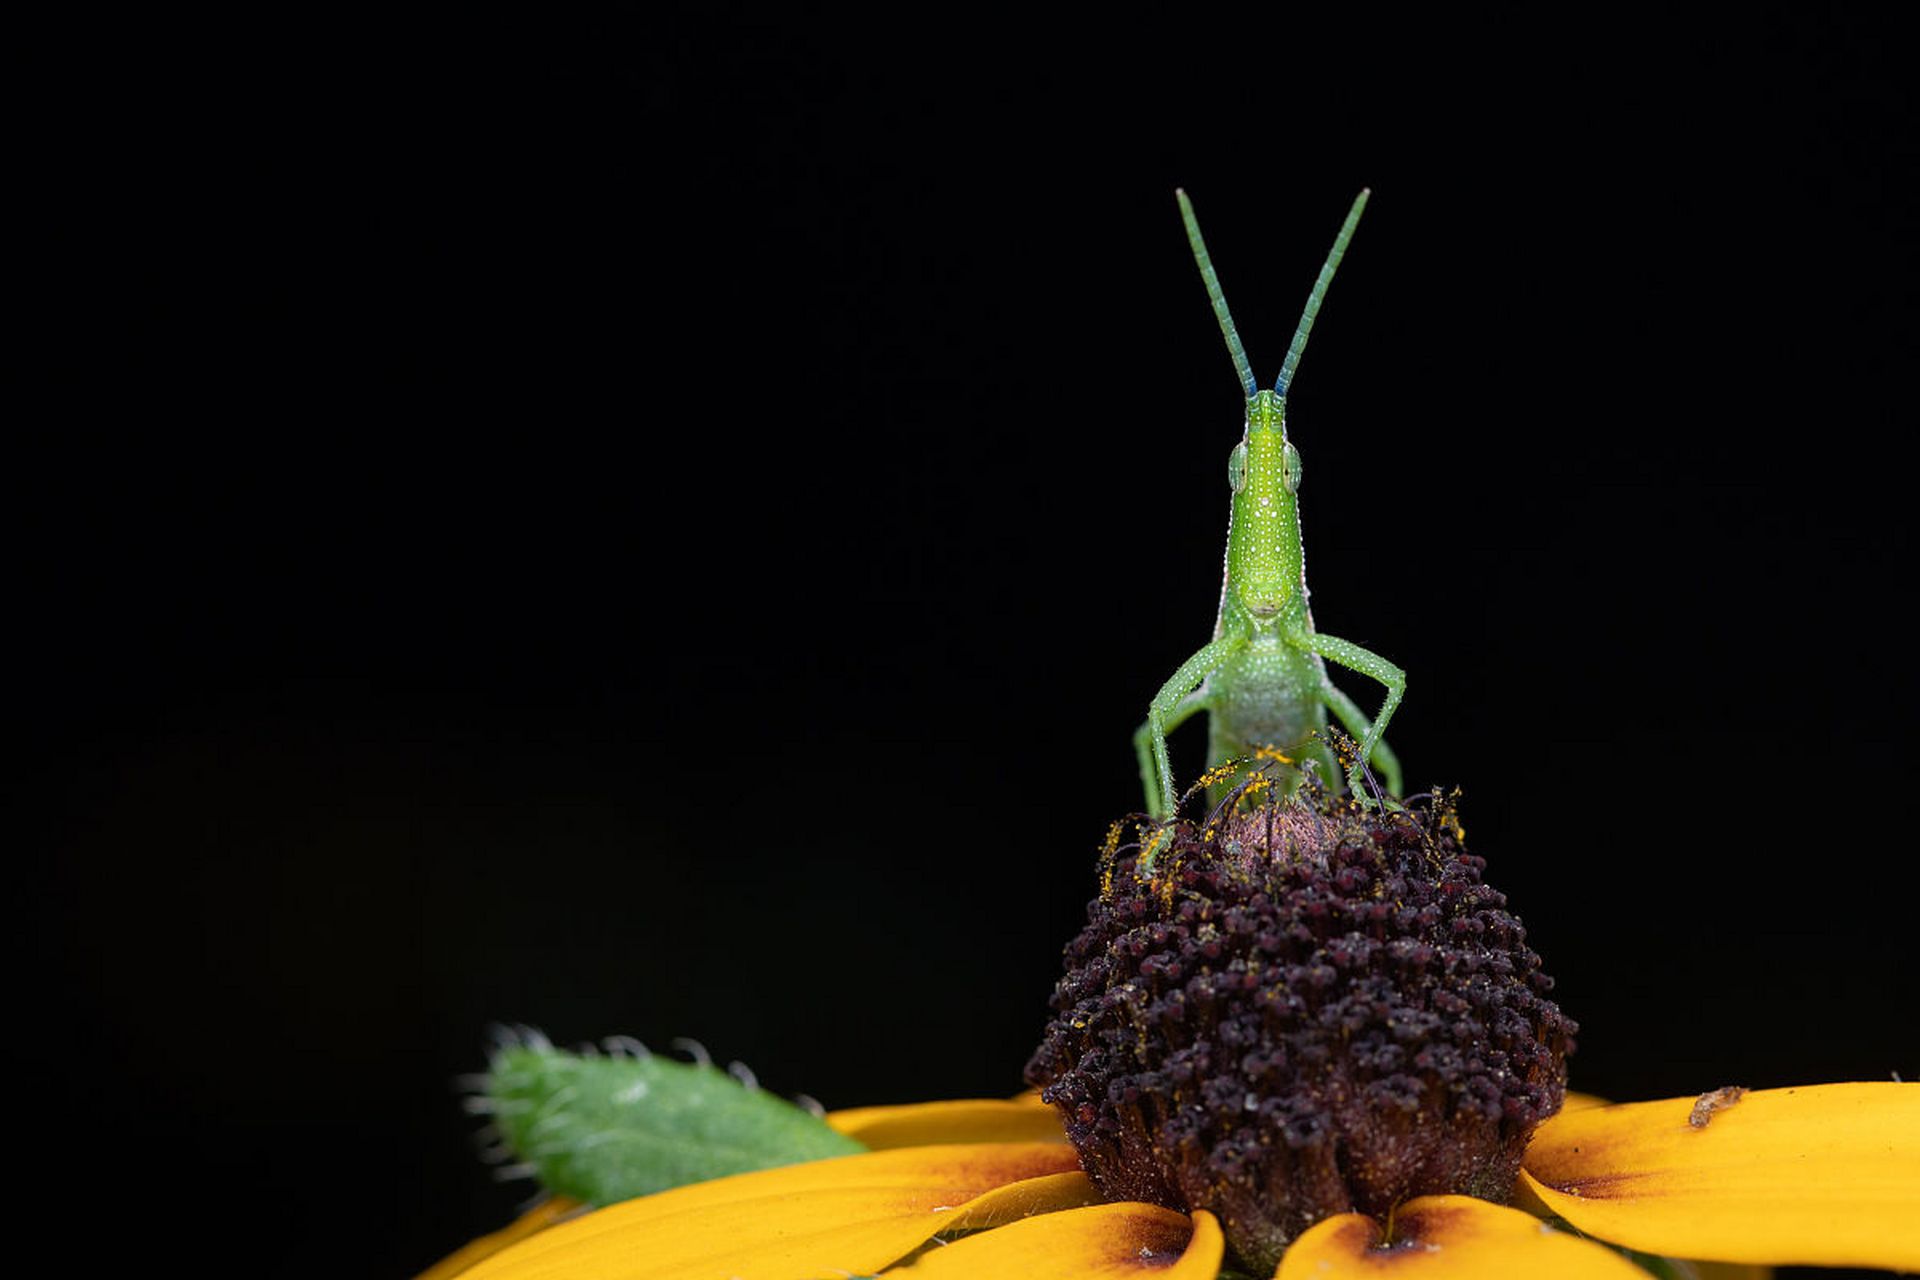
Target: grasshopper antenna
[
  {"x": 1313, "y": 299},
  {"x": 1219, "y": 300}
]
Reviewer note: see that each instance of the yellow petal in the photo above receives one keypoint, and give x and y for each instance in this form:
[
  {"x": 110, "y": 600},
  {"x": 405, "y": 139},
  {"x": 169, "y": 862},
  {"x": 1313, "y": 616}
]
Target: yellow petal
[
  {"x": 1523, "y": 1197},
  {"x": 848, "y": 1214},
  {"x": 1124, "y": 1241},
  {"x": 1449, "y": 1238},
  {"x": 538, "y": 1218},
  {"x": 1023, "y": 1119},
  {"x": 1827, "y": 1175},
  {"x": 1527, "y": 1202}
]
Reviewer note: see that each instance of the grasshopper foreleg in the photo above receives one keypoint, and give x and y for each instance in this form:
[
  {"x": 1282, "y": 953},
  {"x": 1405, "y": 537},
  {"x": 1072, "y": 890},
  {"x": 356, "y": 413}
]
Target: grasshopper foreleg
[
  {"x": 1367, "y": 663},
  {"x": 1359, "y": 726},
  {"x": 1143, "y": 747},
  {"x": 1169, "y": 708}
]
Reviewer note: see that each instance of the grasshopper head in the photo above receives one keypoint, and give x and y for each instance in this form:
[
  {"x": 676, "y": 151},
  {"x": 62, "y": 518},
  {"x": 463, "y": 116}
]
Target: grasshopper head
[
  {"x": 1265, "y": 569},
  {"x": 1263, "y": 553}
]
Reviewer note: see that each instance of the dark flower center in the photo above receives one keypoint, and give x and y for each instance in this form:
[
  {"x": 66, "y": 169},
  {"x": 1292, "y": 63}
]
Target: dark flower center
[{"x": 1304, "y": 1009}]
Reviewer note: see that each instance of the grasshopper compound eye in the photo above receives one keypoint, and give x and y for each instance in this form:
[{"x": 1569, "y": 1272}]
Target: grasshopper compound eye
[
  {"x": 1237, "y": 467},
  {"x": 1293, "y": 469}
]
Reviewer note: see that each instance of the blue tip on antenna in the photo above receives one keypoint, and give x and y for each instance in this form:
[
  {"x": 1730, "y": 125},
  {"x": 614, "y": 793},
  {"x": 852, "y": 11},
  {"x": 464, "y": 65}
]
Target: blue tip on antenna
[{"x": 1313, "y": 299}]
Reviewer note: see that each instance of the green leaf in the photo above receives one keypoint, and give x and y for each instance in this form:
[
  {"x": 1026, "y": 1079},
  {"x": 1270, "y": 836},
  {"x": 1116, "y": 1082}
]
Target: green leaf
[{"x": 608, "y": 1129}]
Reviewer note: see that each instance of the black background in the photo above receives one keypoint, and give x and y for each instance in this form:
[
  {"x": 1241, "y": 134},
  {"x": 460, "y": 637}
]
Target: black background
[{"x": 667, "y": 529}]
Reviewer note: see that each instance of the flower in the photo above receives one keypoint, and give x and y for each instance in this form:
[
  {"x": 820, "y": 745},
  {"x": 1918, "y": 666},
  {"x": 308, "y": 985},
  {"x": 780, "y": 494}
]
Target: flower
[
  {"x": 1300, "y": 1009},
  {"x": 1225, "y": 1041},
  {"x": 1272, "y": 1019},
  {"x": 1817, "y": 1174}
]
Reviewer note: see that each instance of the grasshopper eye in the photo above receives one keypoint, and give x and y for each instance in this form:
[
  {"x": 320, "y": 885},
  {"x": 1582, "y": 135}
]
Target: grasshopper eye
[
  {"x": 1293, "y": 469},
  {"x": 1237, "y": 467}
]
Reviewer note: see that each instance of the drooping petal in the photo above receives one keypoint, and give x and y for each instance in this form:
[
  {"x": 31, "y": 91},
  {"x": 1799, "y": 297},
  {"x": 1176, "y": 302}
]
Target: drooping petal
[
  {"x": 1105, "y": 1242},
  {"x": 1449, "y": 1238},
  {"x": 1022, "y": 1119},
  {"x": 536, "y": 1219},
  {"x": 1523, "y": 1197},
  {"x": 853, "y": 1214},
  {"x": 1826, "y": 1175}
]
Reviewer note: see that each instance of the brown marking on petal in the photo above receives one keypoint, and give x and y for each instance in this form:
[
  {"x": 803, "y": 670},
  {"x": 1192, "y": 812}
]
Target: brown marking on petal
[
  {"x": 1595, "y": 1150},
  {"x": 1597, "y": 1186},
  {"x": 1415, "y": 1234},
  {"x": 1712, "y": 1101},
  {"x": 951, "y": 1176},
  {"x": 1600, "y": 1186},
  {"x": 1355, "y": 1235},
  {"x": 1359, "y": 1238},
  {"x": 989, "y": 1168},
  {"x": 1158, "y": 1243},
  {"x": 1040, "y": 1163}
]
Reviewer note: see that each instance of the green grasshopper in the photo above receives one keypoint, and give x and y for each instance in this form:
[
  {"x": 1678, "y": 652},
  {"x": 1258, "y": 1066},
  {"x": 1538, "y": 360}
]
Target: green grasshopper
[{"x": 1262, "y": 679}]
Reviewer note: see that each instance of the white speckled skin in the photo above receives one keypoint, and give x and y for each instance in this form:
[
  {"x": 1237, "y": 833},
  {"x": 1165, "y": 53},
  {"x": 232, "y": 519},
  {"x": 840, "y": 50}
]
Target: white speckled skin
[
  {"x": 1262, "y": 679},
  {"x": 1268, "y": 692}
]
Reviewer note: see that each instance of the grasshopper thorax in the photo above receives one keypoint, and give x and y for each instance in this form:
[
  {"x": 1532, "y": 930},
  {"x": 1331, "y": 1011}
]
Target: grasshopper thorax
[{"x": 1264, "y": 563}]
